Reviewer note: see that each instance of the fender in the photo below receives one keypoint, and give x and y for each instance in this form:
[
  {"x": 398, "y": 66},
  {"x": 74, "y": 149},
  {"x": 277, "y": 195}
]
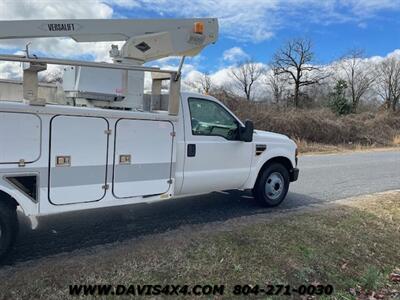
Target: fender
[
  {"x": 26, "y": 204},
  {"x": 275, "y": 150}
]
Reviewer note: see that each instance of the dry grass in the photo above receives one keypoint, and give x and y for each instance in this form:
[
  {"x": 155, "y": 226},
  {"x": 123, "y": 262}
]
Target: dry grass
[
  {"x": 321, "y": 126},
  {"x": 396, "y": 140},
  {"x": 318, "y": 148},
  {"x": 353, "y": 244}
]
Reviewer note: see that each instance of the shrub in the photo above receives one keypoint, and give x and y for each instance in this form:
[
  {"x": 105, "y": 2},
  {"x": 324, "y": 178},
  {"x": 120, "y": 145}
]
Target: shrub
[
  {"x": 338, "y": 102},
  {"x": 319, "y": 125}
]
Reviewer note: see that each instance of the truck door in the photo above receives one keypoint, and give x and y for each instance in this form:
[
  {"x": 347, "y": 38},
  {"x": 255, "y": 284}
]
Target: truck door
[
  {"x": 78, "y": 159},
  {"x": 214, "y": 159}
]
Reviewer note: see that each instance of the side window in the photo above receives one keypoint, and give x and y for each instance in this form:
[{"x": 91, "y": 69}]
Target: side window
[{"x": 210, "y": 118}]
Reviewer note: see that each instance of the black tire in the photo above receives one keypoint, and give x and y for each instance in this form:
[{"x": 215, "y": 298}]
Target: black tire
[
  {"x": 8, "y": 228},
  {"x": 278, "y": 185}
]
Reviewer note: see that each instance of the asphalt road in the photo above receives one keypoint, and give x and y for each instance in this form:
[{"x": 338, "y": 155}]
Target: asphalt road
[{"x": 322, "y": 178}]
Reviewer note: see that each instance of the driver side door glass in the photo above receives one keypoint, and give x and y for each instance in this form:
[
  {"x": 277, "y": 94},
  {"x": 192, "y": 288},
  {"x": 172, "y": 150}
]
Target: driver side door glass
[{"x": 211, "y": 119}]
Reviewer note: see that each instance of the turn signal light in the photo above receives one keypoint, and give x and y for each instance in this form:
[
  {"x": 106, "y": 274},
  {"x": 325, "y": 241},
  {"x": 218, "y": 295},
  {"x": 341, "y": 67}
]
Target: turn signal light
[{"x": 198, "y": 27}]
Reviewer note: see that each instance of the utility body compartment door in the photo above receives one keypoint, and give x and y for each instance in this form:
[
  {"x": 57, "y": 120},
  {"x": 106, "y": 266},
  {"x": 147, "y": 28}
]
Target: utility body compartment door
[
  {"x": 78, "y": 159},
  {"x": 20, "y": 137},
  {"x": 143, "y": 157}
]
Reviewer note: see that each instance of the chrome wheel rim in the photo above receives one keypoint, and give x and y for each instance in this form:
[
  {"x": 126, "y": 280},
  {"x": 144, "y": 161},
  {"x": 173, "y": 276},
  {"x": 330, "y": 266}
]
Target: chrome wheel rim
[{"x": 274, "y": 185}]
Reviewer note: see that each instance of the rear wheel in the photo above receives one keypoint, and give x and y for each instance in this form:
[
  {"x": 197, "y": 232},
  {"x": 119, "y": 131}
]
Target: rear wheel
[
  {"x": 272, "y": 185},
  {"x": 8, "y": 228}
]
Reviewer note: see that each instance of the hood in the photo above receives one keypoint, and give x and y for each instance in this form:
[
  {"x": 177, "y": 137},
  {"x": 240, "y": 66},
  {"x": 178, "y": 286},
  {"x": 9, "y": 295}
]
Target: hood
[{"x": 260, "y": 135}]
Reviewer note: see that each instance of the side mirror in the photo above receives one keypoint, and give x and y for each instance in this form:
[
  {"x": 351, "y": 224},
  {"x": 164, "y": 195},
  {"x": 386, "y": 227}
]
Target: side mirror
[{"x": 246, "y": 132}]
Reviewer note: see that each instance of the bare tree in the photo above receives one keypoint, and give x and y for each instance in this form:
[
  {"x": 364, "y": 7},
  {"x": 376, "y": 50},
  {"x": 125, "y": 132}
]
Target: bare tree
[
  {"x": 203, "y": 84},
  {"x": 296, "y": 59},
  {"x": 388, "y": 82},
  {"x": 277, "y": 84},
  {"x": 245, "y": 75},
  {"x": 358, "y": 76},
  {"x": 206, "y": 83}
]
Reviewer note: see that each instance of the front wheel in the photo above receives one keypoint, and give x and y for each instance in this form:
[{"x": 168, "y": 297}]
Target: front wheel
[
  {"x": 8, "y": 228},
  {"x": 272, "y": 185}
]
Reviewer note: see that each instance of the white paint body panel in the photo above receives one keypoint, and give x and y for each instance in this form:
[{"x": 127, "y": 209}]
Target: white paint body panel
[
  {"x": 278, "y": 145},
  {"x": 20, "y": 137},
  {"x": 92, "y": 81},
  {"x": 84, "y": 140},
  {"x": 149, "y": 143},
  {"x": 156, "y": 157},
  {"x": 219, "y": 164}
]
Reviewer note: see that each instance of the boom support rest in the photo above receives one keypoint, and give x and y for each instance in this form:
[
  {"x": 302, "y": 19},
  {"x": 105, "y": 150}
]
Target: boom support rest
[{"x": 30, "y": 82}]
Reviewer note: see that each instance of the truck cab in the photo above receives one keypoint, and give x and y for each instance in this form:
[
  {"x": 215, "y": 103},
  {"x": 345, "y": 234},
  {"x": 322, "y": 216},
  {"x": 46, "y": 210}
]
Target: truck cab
[{"x": 217, "y": 151}]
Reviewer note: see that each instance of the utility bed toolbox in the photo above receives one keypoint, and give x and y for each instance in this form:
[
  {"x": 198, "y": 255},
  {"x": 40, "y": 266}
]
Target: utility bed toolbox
[
  {"x": 143, "y": 154},
  {"x": 20, "y": 138}
]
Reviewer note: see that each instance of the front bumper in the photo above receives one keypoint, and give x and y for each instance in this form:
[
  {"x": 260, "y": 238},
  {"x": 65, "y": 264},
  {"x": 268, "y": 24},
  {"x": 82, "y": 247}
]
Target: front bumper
[{"x": 294, "y": 174}]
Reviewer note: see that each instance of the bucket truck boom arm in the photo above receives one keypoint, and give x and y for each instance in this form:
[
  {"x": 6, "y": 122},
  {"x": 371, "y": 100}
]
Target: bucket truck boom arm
[{"x": 145, "y": 40}]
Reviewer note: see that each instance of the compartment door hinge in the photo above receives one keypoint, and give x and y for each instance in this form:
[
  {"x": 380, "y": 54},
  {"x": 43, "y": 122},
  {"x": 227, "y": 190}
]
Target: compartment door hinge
[
  {"x": 21, "y": 163},
  {"x": 105, "y": 187},
  {"x": 108, "y": 131}
]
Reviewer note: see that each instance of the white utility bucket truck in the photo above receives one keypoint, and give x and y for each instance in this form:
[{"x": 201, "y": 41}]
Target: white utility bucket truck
[{"x": 108, "y": 143}]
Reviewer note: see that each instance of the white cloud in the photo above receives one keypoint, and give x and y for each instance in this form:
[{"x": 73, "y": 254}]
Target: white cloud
[
  {"x": 253, "y": 20},
  {"x": 53, "y": 9},
  {"x": 222, "y": 77},
  {"x": 123, "y": 3},
  {"x": 258, "y": 20},
  {"x": 395, "y": 53},
  {"x": 367, "y": 7},
  {"x": 56, "y": 9},
  {"x": 250, "y": 20},
  {"x": 62, "y": 47},
  {"x": 235, "y": 54},
  {"x": 10, "y": 70}
]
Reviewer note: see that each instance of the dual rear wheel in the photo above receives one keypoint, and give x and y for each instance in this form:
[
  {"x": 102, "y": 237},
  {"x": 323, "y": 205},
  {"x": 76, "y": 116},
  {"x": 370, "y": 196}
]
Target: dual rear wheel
[{"x": 8, "y": 228}]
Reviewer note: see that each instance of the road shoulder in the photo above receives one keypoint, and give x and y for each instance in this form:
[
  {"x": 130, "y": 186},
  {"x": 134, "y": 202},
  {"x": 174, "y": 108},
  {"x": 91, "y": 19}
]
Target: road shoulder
[{"x": 351, "y": 243}]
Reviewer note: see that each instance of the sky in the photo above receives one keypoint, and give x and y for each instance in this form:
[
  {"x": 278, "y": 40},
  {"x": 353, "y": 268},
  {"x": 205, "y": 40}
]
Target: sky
[{"x": 252, "y": 29}]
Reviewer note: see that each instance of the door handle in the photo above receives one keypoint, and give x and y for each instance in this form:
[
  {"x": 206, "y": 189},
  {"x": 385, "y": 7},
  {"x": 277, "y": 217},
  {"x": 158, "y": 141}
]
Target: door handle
[{"x": 191, "y": 150}]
